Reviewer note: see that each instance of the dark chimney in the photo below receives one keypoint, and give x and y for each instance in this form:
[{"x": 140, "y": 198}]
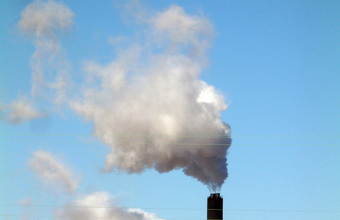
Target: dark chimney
[{"x": 215, "y": 206}]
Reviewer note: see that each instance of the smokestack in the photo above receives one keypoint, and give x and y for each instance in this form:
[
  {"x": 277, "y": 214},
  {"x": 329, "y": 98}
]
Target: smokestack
[{"x": 215, "y": 206}]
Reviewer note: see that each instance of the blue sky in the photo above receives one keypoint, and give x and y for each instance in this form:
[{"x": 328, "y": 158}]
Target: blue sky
[{"x": 275, "y": 63}]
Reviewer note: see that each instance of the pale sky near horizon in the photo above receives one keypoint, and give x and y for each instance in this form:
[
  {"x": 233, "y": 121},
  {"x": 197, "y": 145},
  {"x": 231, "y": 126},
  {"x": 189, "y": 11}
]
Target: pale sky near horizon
[{"x": 76, "y": 76}]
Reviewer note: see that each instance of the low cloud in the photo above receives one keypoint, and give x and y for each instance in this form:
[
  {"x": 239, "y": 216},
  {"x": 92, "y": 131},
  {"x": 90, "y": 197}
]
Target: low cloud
[{"x": 53, "y": 173}]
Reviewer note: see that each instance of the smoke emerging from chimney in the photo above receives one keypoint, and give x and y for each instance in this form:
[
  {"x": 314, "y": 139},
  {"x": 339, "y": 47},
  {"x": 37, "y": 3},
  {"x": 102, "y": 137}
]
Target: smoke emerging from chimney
[{"x": 151, "y": 107}]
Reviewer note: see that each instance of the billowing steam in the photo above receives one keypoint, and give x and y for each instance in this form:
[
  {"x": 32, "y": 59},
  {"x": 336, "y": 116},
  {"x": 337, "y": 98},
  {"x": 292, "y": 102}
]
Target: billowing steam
[
  {"x": 151, "y": 107},
  {"x": 148, "y": 104}
]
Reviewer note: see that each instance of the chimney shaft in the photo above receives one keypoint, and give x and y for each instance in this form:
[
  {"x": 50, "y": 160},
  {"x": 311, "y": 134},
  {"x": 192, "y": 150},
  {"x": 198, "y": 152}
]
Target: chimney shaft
[{"x": 215, "y": 206}]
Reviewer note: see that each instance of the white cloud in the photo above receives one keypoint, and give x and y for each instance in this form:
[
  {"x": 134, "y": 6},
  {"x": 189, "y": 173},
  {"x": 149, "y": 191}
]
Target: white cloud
[
  {"x": 22, "y": 110},
  {"x": 53, "y": 173},
  {"x": 99, "y": 205}
]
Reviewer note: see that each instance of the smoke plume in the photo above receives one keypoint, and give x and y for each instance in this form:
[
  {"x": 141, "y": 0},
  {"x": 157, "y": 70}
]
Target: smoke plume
[
  {"x": 149, "y": 103},
  {"x": 91, "y": 206},
  {"x": 151, "y": 107},
  {"x": 22, "y": 110},
  {"x": 53, "y": 173},
  {"x": 44, "y": 22},
  {"x": 99, "y": 205}
]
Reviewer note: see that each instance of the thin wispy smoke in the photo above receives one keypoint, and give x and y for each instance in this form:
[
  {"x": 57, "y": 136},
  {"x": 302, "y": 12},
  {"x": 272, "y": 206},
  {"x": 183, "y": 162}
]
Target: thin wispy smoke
[
  {"x": 95, "y": 205},
  {"x": 45, "y": 22},
  {"x": 26, "y": 208},
  {"x": 99, "y": 205},
  {"x": 2, "y": 111},
  {"x": 45, "y": 19},
  {"x": 22, "y": 110},
  {"x": 151, "y": 107},
  {"x": 53, "y": 173}
]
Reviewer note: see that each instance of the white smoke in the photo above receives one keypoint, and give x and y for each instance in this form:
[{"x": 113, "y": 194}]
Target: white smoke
[
  {"x": 182, "y": 31},
  {"x": 91, "y": 206},
  {"x": 53, "y": 173},
  {"x": 151, "y": 107},
  {"x": 149, "y": 104},
  {"x": 145, "y": 215},
  {"x": 44, "y": 22},
  {"x": 22, "y": 110},
  {"x": 26, "y": 208},
  {"x": 99, "y": 205}
]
